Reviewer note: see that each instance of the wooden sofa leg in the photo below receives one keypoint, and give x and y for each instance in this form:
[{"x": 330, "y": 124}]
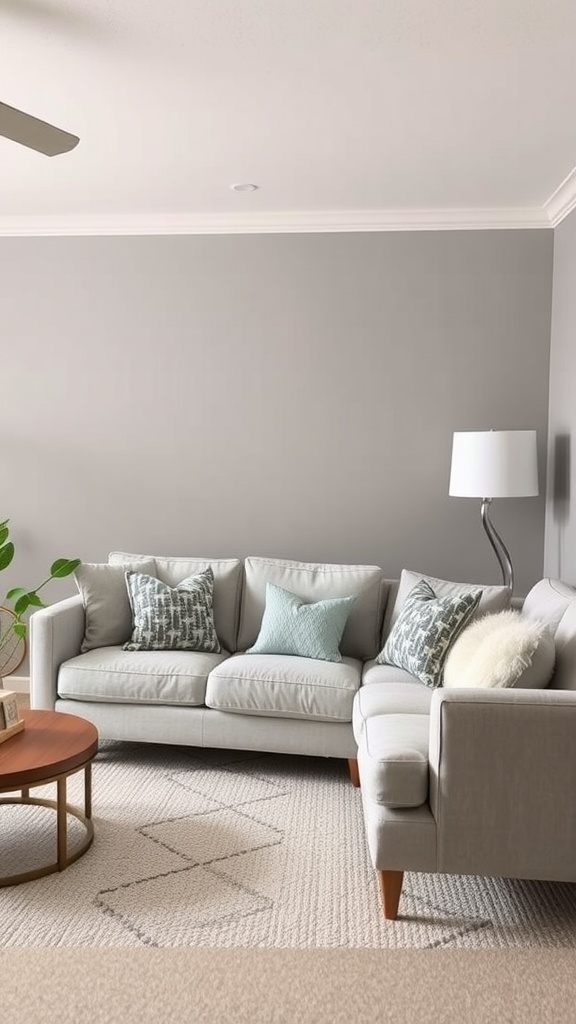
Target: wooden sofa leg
[
  {"x": 354, "y": 773},
  {"x": 390, "y": 888}
]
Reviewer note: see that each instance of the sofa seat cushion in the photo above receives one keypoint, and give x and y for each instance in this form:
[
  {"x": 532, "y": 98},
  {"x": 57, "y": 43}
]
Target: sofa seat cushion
[
  {"x": 375, "y": 673},
  {"x": 393, "y": 760},
  {"x": 284, "y": 686},
  {"x": 393, "y": 697},
  {"x": 111, "y": 674}
]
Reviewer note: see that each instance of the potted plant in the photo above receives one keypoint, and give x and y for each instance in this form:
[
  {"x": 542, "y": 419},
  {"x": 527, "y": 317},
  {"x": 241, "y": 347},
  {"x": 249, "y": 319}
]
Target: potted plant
[{"x": 20, "y": 598}]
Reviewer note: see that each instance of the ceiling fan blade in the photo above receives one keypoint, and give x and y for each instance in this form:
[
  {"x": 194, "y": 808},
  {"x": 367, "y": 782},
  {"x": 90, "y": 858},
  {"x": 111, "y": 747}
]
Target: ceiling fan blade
[{"x": 30, "y": 131}]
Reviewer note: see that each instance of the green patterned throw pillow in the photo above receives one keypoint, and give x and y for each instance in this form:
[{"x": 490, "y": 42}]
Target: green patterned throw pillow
[
  {"x": 289, "y": 626},
  {"x": 172, "y": 618},
  {"x": 425, "y": 630}
]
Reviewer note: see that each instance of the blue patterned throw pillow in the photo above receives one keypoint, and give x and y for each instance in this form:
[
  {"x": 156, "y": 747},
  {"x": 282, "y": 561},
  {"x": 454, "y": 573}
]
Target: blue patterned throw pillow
[
  {"x": 289, "y": 626},
  {"x": 425, "y": 630},
  {"x": 172, "y": 618}
]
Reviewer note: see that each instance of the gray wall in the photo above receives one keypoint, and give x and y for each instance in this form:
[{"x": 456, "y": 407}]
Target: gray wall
[
  {"x": 290, "y": 395},
  {"x": 560, "y": 545}
]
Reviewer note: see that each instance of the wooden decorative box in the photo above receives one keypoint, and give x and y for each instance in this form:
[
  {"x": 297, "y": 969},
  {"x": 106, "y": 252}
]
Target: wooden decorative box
[{"x": 10, "y": 721}]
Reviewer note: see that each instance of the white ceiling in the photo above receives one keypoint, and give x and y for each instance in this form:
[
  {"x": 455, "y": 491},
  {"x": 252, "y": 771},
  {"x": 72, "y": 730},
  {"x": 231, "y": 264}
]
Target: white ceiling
[{"x": 346, "y": 113}]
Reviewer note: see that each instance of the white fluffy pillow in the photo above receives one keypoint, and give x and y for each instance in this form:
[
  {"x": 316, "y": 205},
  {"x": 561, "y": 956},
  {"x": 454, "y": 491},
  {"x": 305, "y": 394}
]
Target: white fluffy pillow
[{"x": 504, "y": 649}]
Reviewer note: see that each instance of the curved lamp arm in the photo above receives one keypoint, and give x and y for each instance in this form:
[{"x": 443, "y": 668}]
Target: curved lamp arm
[{"x": 497, "y": 543}]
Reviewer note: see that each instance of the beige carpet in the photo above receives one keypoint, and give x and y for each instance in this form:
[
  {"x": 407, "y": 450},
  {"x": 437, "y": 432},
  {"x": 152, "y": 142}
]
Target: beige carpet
[
  {"x": 199, "y": 848},
  {"x": 286, "y": 987}
]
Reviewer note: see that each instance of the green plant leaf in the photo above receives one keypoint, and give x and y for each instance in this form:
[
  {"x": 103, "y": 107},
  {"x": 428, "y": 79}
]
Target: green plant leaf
[
  {"x": 19, "y": 628},
  {"x": 6, "y": 555},
  {"x": 4, "y": 532},
  {"x": 64, "y": 567},
  {"x": 35, "y": 601},
  {"x": 15, "y": 593},
  {"x": 22, "y": 604}
]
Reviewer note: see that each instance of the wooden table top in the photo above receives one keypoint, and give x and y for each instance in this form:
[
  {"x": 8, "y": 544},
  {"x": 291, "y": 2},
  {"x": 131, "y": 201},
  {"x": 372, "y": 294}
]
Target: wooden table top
[{"x": 50, "y": 744}]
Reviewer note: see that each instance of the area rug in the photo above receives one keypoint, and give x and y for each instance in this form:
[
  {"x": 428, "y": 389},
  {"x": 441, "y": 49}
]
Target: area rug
[{"x": 200, "y": 848}]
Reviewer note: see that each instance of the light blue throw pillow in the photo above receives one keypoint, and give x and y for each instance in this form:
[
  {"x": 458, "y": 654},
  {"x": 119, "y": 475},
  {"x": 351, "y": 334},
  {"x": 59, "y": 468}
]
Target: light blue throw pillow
[{"x": 289, "y": 626}]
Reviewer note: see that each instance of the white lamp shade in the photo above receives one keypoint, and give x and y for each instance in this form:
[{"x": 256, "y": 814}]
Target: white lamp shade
[{"x": 494, "y": 464}]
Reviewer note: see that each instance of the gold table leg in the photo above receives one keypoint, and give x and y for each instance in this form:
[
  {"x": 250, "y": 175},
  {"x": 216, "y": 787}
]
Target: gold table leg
[
  {"x": 63, "y": 810},
  {"x": 62, "y": 823},
  {"x": 88, "y": 790}
]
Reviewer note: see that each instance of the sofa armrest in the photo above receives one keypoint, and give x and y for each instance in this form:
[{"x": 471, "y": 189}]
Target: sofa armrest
[
  {"x": 56, "y": 634},
  {"x": 502, "y": 782}
]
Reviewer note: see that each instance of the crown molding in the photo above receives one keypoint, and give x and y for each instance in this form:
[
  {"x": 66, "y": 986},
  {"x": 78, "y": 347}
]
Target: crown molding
[
  {"x": 280, "y": 222},
  {"x": 563, "y": 199}
]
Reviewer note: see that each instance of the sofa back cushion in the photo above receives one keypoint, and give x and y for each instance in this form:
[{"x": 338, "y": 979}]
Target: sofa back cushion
[
  {"x": 554, "y": 602},
  {"x": 312, "y": 582},
  {"x": 107, "y": 611},
  {"x": 493, "y": 598},
  {"x": 547, "y": 602},
  {"x": 564, "y": 677},
  {"x": 227, "y": 584}
]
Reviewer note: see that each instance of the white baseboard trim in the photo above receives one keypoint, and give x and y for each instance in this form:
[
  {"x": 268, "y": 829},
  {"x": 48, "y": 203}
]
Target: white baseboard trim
[{"x": 20, "y": 684}]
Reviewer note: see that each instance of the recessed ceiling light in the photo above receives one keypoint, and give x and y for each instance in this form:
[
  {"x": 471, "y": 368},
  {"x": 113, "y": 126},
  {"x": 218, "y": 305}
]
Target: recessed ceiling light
[{"x": 244, "y": 187}]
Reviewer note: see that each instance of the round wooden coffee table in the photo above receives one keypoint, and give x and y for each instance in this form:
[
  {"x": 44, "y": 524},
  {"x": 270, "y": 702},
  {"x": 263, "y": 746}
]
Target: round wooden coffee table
[{"x": 51, "y": 747}]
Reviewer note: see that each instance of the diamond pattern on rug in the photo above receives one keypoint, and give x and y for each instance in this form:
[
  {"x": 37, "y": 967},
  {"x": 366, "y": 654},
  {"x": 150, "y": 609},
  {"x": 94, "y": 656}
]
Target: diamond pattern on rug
[
  {"x": 219, "y": 829},
  {"x": 228, "y": 788},
  {"x": 233, "y": 849},
  {"x": 194, "y": 898},
  {"x": 215, "y": 836}
]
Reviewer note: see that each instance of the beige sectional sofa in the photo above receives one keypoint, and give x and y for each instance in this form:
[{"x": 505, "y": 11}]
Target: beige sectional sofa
[{"x": 470, "y": 780}]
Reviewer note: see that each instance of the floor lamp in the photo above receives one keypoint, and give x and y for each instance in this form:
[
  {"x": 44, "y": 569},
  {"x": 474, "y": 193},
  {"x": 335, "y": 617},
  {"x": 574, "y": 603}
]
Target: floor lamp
[{"x": 491, "y": 464}]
